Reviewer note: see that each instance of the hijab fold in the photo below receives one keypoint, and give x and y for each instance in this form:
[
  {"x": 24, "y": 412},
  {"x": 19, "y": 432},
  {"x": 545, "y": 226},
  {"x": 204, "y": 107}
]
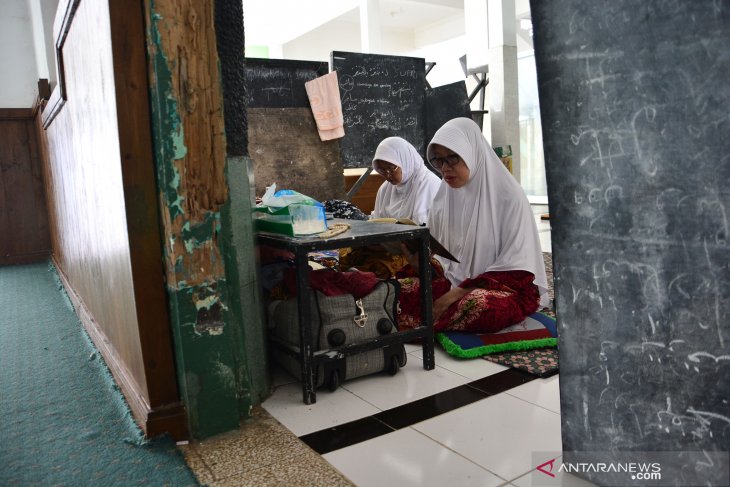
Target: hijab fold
[
  {"x": 413, "y": 196},
  {"x": 487, "y": 224}
]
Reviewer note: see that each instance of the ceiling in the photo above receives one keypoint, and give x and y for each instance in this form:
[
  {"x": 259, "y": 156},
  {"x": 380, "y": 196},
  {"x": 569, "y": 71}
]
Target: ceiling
[{"x": 276, "y": 22}]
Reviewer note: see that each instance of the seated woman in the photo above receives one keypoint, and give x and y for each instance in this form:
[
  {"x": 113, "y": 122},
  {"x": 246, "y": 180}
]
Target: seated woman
[
  {"x": 409, "y": 186},
  {"x": 482, "y": 216},
  {"x": 406, "y": 193}
]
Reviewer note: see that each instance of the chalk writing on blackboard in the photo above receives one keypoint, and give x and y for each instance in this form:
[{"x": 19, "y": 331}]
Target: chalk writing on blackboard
[
  {"x": 381, "y": 96},
  {"x": 279, "y": 83},
  {"x": 633, "y": 100}
]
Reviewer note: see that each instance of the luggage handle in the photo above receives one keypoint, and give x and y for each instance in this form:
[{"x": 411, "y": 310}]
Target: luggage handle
[{"x": 361, "y": 317}]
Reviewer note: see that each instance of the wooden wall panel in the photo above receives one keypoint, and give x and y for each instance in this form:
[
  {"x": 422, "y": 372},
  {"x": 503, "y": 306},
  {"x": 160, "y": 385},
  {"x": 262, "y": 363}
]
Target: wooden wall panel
[
  {"x": 23, "y": 218},
  {"x": 365, "y": 197},
  {"x": 142, "y": 214},
  {"x": 102, "y": 200},
  {"x": 85, "y": 168}
]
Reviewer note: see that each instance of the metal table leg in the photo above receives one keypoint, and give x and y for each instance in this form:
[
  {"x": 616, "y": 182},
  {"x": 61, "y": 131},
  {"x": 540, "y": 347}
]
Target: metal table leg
[
  {"x": 305, "y": 326},
  {"x": 424, "y": 269}
]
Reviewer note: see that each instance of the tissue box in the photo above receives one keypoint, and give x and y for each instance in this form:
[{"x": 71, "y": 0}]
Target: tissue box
[
  {"x": 273, "y": 223},
  {"x": 291, "y": 220}
]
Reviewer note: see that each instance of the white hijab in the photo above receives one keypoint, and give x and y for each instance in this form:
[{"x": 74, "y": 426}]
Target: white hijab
[
  {"x": 487, "y": 224},
  {"x": 413, "y": 196}
]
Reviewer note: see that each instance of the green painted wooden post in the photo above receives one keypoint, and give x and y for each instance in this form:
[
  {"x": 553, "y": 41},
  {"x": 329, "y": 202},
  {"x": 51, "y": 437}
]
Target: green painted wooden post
[
  {"x": 242, "y": 271},
  {"x": 205, "y": 206}
]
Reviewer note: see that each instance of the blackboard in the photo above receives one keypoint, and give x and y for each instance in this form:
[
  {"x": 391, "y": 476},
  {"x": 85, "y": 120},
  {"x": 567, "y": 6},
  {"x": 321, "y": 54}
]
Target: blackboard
[
  {"x": 279, "y": 83},
  {"x": 444, "y": 103},
  {"x": 382, "y": 96},
  {"x": 634, "y": 101}
]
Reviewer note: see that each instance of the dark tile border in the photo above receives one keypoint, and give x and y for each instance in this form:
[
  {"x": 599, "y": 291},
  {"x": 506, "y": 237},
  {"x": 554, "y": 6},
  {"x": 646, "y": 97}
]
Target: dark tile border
[
  {"x": 348, "y": 434},
  {"x": 502, "y": 381}
]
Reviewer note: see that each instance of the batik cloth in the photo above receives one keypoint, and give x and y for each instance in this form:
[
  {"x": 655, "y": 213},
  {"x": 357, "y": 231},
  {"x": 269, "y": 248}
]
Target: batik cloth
[{"x": 497, "y": 300}]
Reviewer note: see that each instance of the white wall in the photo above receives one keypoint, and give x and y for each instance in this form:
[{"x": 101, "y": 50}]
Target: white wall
[
  {"x": 19, "y": 81},
  {"x": 39, "y": 41},
  {"x": 444, "y": 43},
  {"x": 48, "y": 8},
  {"x": 341, "y": 35},
  {"x": 435, "y": 43},
  {"x": 316, "y": 45}
]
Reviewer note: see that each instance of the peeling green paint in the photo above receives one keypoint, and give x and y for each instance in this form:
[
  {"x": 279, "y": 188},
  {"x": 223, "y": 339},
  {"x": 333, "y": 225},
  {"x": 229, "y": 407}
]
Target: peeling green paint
[
  {"x": 180, "y": 151},
  {"x": 207, "y": 302},
  {"x": 175, "y": 182},
  {"x": 210, "y": 329},
  {"x": 204, "y": 230},
  {"x": 176, "y": 206},
  {"x": 168, "y": 135},
  {"x": 198, "y": 234}
]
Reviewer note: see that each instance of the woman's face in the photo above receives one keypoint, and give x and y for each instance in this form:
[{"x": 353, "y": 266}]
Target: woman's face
[
  {"x": 451, "y": 166},
  {"x": 392, "y": 173}
]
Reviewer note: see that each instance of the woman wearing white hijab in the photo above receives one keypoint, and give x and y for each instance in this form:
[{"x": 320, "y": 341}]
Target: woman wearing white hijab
[
  {"x": 407, "y": 192},
  {"x": 482, "y": 216},
  {"x": 409, "y": 186}
]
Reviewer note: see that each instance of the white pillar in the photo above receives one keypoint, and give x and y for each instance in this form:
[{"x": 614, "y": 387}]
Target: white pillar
[
  {"x": 476, "y": 26},
  {"x": 504, "y": 106},
  {"x": 370, "y": 33}
]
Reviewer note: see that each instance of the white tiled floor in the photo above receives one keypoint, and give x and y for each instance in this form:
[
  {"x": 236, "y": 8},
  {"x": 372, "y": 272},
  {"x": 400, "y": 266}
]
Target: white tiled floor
[
  {"x": 499, "y": 440},
  {"x": 489, "y": 442},
  {"x": 408, "y": 458}
]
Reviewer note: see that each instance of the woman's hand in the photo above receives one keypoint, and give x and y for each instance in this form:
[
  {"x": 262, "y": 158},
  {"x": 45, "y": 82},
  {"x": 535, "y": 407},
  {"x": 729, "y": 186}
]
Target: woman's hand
[{"x": 442, "y": 304}]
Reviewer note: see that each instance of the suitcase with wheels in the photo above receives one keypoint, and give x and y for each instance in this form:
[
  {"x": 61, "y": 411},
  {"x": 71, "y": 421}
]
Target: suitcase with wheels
[{"x": 338, "y": 322}]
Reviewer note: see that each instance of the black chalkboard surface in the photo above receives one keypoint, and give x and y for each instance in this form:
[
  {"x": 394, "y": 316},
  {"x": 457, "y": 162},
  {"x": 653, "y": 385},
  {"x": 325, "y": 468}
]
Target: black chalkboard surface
[
  {"x": 444, "y": 103},
  {"x": 279, "y": 83},
  {"x": 382, "y": 96},
  {"x": 634, "y": 101}
]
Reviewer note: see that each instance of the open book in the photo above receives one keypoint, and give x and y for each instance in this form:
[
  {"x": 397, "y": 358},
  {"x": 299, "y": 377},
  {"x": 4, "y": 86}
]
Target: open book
[{"x": 412, "y": 245}]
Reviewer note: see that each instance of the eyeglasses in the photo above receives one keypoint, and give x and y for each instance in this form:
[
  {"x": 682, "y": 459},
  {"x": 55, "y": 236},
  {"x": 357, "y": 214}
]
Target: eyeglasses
[
  {"x": 387, "y": 170},
  {"x": 452, "y": 160}
]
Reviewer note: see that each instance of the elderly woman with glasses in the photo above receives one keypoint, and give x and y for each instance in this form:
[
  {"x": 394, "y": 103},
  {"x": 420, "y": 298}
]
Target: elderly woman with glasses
[
  {"x": 406, "y": 193},
  {"x": 482, "y": 216},
  {"x": 409, "y": 186}
]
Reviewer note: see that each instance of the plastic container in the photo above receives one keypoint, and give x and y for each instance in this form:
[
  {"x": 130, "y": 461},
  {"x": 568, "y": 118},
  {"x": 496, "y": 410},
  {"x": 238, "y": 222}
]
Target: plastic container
[{"x": 308, "y": 219}]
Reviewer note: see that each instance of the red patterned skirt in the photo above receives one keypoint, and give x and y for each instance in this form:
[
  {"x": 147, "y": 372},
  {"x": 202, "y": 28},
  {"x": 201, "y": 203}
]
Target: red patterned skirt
[{"x": 497, "y": 300}]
